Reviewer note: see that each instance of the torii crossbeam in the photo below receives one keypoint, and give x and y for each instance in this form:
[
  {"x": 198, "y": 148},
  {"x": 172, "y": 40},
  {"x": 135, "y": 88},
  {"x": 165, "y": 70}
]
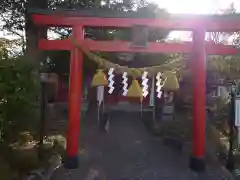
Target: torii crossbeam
[{"x": 198, "y": 48}]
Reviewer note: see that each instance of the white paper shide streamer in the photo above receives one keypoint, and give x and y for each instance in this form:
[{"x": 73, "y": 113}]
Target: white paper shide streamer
[
  {"x": 152, "y": 93},
  {"x": 237, "y": 117},
  {"x": 145, "y": 84},
  {"x": 125, "y": 84},
  {"x": 100, "y": 99},
  {"x": 100, "y": 94},
  {"x": 111, "y": 81},
  {"x": 159, "y": 85},
  {"x": 238, "y": 138}
]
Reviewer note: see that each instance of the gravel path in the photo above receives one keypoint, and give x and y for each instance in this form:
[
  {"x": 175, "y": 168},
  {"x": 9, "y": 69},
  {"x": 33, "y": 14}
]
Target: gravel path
[{"x": 128, "y": 152}]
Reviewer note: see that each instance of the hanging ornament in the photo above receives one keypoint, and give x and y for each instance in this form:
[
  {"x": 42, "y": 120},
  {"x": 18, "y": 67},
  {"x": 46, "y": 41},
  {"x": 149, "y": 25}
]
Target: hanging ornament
[
  {"x": 99, "y": 79},
  {"x": 136, "y": 73},
  {"x": 171, "y": 82},
  {"x": 152, "y": 94},
  {"x": 238, "y": 136},
  {"x": 159, "y": 84},
  {"x": 100, "y": 99},
  {"x": 135, "y": 90},
  {"x": 145, "y": 84},
  {"x": 125, "y": 84},
  {"x": 237, "y": 118},
  {"x": 111, "y": 81},
  {"x": 100, "y": 94}
]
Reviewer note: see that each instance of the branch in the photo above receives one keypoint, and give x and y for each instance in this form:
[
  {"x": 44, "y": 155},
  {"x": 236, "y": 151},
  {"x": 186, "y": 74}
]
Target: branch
[
  {"x": 60, "y": 33},
  {"x": 11, "y": 30},
  {"x": 2, "y": 2},
  {"x": 16, "y": 33}
]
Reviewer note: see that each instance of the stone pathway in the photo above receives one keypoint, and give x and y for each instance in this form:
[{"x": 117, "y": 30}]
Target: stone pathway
[{"x": 129, "y": 152}]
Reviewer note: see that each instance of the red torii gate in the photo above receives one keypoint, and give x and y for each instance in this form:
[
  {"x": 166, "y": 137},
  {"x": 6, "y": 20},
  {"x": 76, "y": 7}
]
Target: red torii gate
[{"x": 199, "y": 49}]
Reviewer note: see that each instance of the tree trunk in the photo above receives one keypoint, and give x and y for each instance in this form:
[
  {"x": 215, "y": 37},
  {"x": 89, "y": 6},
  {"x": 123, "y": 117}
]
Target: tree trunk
[
  {"x": 2, "y": 2},
  {"x": 32, "y": 34},
  {"x": 33, "y": 55}
]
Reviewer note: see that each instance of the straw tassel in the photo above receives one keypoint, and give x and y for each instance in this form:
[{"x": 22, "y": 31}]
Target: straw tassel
[{"x": 99, "y": 79}]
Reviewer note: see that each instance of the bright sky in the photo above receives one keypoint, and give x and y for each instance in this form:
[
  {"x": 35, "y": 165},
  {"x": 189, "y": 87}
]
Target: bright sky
[{"x": 196, "y": 6}]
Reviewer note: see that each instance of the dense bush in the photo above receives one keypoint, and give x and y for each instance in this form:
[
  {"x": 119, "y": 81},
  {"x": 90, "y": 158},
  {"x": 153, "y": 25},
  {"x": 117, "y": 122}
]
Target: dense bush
[{"x": 18, "y": 96}]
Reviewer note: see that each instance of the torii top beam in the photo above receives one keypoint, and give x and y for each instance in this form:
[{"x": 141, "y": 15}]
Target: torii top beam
[
  {"x": 184, "y": 22},
  {"x": 98, "y": 18}
]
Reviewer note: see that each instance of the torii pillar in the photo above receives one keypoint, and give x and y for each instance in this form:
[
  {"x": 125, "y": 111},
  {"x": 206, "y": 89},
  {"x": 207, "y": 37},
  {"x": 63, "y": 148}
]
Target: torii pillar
[
  {"x": 74, "y": 101},
  {"x": 198, "y": 66}
]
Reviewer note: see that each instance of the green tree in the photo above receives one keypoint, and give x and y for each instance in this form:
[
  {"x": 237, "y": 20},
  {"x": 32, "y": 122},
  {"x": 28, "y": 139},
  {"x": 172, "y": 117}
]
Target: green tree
[
  {"x": 225, "y": 66},
  {"x": 16, "y": 20},
  {"x": 18, "y": 89}
]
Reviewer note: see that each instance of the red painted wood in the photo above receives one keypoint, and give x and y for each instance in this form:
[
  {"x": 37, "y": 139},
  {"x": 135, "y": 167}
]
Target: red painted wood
[
  {"x": 65, "y": 44},
  {"x": 171, "y": 23},
  {"x": 75, "y": 97},
  {"x": 219, "y": 49},
  {"x": 199, "y": 93},
  {"x": 62, "y": 90},
  {"x": 122, "y": 46}
]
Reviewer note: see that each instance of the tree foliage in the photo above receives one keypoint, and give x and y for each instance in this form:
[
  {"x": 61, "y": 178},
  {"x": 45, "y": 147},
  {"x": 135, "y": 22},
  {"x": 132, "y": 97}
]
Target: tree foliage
[
  {"x": 15, "y": 21},
  {"x": 225, "y": 66},
  {"x": 18, "y": 95}
]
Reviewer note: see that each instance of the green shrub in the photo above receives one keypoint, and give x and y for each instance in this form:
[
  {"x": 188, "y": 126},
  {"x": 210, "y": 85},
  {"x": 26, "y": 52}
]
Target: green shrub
[
  {"x": 19, "y": 89},
  {"x": 24, "y": 160},
  {"x": 5, "y": 171}
]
